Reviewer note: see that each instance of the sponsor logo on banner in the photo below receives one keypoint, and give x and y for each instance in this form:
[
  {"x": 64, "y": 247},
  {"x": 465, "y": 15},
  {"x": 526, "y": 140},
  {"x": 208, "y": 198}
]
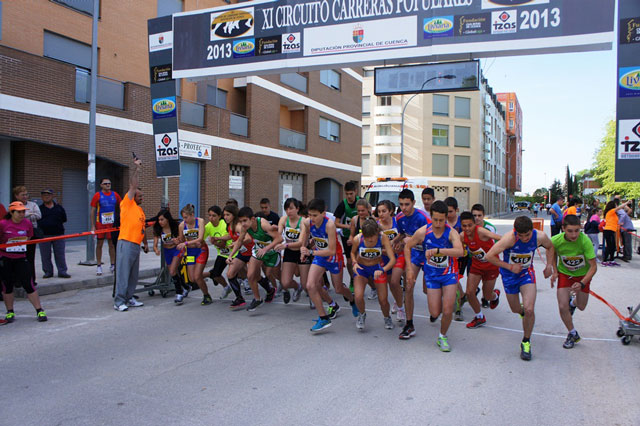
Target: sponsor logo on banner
[
  {"x": 243, "y": 48},
  {"x": 496, "y": 4},
  {"x": 291, "y": 43},
  {"x": 629, "y": 139},
  {"x": 268, "y": 45},
  {"x": 358, "y": 34},
  {"x": 630, "y": 30},
  {"x": 166, "y": 146},
  {"x": 164, "y": 107},
  {"x": 160, "y": 41},
  {"x": 232, "y": 24},
  {"x": 629, "y": 82},
  {"x": 195, "y": 150},
  {"x": 504, "y": 22},
  {"x": 473, "y": 24},
  {"x": 161, "y": 73},
  {"x": 380, "y": 34},
  {"x": 441, "y": 26}
]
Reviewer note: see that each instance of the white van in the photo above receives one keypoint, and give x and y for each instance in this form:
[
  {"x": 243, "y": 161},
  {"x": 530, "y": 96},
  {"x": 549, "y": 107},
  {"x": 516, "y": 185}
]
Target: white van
[{"x": 389, "y": 189}]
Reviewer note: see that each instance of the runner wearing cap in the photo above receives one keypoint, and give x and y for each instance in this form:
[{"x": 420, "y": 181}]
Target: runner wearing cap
[{"x": 103, "y": 208}]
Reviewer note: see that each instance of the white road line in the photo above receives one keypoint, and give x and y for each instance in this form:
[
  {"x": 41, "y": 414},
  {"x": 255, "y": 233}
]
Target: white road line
[{"x": 70, "y": 318}]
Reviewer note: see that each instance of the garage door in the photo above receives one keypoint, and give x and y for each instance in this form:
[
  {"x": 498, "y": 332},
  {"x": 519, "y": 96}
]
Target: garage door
[
  {"x": 291, "y": 185},
  {"x": 75, "y": 200}
]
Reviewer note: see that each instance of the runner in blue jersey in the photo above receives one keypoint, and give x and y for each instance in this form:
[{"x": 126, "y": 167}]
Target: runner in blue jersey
[
  {"x": 453, "y": 219},
  {"x": 516, "y": 268},
  {"x": 442, "y": 247},
  {"x": 409, "y": 221}
]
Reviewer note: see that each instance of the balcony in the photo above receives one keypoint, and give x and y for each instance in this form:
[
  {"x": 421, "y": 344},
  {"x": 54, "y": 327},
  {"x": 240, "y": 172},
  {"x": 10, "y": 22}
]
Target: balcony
[
  {"x": 388, "y": 149},
  {"x": 388, "y": 110},
  {"x": 238, "y": 125},
  {"x": 110, "y": 92},
  {"x": 387, "y": 140},
  {"x": 293, "y": 139},
  {"x": 383, "y": 171},
  {"x": 191, "y": 113},
  {"x": 295, "y": 80},
  {"x": 388, "y": 119}
]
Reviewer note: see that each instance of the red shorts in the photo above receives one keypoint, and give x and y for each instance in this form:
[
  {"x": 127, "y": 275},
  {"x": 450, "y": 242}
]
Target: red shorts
[
  {"x": 565, "y": 281},
  {"x": 486, "y": 273},
  {"x": 204, "y": 255},
  {"x": 103, "y": 235},
  {"x": 400, "y": 262}
]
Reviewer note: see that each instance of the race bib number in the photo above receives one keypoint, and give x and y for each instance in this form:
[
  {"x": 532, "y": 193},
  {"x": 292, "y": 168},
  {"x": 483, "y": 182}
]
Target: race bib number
[
  {"x": 291, "y": 234},
  {"x": 166, "y": 238},
  {"x": 224, "y": 251},
  {"x": 260, "y": 244},
  {"x": 391, "y": 233},
  {"x": 17, "y": 249},
  {"x": 370, "y": 253},
  {"x": 321, "y": 243},
  {"x": 243, "y": 249},
  {"x": 524, "y": 259},
  {"x": 191, "y": 234},
  {"x": 479, "y": 255},
  {"x": 438, "y": 261},
  {"x": 573, "y": 263},
  {"x": 107, "y": 218}
]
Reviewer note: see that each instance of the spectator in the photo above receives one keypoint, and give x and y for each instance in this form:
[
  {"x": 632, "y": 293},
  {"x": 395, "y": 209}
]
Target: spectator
[
  {"x": 103, "y": 207},
  {"x": 132, "y": 226},
  {"x": 52, "y": 224},
  {"x": 33, "y": 215},
  {"x": 556, "y": 216},
  {"x": 232, "y": 201},
  {"x": 626, "y": 231},
  {"x": 591, "y": 228},
  {"x": 610, "y": 229},
  {"x": 267, "y": 213}
]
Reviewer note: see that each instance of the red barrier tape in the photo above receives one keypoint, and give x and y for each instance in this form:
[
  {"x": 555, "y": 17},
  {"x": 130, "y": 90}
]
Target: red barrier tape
[{"x": 613, "y": 308}]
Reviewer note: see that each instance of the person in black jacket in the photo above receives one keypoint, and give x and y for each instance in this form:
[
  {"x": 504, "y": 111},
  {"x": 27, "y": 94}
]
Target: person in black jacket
[{"x": 53, "y": 218}]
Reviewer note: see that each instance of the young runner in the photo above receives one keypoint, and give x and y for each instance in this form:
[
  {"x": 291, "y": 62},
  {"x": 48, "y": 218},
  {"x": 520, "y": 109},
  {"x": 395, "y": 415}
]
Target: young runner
[
  {"x": 366, "y": 255},
  {"x": 479, "y": 241},
  {"x": 327, "y": 256},
  {"x": 363, "y": 212},
  {"x": 216, "y": 233},
  {"x": 239, "y": 256},
  {"x": 345, "y": 211},
  {"x": 195, "y": 249},
  {"x": 409, "y": 221},
  {"x": 103, "y": 208},
  {"x": 428, "y": 197},
  {"x": 273, "y": 218},
  {"x": 441, "y": 245},
  {"x": 290, "y": 227},
  {"x": 518, "y": 275},
  {"x": 265, "y": 239},
  {"x": 574, "y": 267},
  {"x": 477, "y": 210},
  {"x": 166, "y": 235},
  {"x": 453, "y": 220},
  {"x": 389, "y": 227}
]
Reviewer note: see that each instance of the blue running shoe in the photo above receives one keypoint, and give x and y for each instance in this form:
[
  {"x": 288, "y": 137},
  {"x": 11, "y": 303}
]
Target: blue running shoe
[
  {"x": 354, "y": 310},
  {"x": 320, "y": 325}
]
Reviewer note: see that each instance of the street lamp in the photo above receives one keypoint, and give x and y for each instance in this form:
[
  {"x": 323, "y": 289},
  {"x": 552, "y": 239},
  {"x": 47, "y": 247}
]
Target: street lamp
[{"x": 404, "y": 108}]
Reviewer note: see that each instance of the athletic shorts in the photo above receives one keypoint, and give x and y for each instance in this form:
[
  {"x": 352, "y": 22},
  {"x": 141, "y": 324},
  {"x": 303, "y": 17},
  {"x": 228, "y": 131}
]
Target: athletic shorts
[
  {"x": 270, "y": 260},
  {"x": 486, "y": 273},
  {"x": 170, "y": 253},
  {"x": 369, "y": 272},
  {"x": 417, "y": 257},
  {"x": 436, "y": 283},
  {"x": 16, "y": 271},
  {"x": 244, "y": 258},
  {"x": 197, "y": 255},
  {"x": 400, "y": 261},
  {"x": 218, "y": 267},
  {"x": 332, "y": 267},
  {"x": 565, "y": 281},
  {"x": 512, "y": 285},
  {"x": 293, "y": 256},
  {"x": 103, "y": 235},
  {"x": 463, "y": 264}
]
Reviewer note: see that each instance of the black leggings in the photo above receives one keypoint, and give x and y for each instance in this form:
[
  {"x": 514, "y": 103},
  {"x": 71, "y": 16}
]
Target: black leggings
[
  {"x": 609, "y": 245},
  {"x": 16, "y": 271}
]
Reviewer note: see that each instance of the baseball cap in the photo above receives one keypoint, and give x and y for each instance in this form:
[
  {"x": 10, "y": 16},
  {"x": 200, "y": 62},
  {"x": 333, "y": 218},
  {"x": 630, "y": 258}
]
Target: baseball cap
[
  {"x": 47, "y": 191},
  {"x": 16, "y": 206}
]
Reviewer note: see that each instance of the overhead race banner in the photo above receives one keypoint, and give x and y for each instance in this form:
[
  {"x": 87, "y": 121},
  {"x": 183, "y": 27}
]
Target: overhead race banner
[{"x": 276, "y": 36}]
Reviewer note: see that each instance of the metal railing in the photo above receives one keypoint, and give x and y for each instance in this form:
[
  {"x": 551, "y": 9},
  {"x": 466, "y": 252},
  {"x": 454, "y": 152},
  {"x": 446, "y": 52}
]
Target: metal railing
[
  {"x": 293, "y": 139},
  {"x": 295, "y": 80},
  {"x": 191, "y": 113},
  {"x": 110, "y": 91},
  {"x": 238, "y": 125}
]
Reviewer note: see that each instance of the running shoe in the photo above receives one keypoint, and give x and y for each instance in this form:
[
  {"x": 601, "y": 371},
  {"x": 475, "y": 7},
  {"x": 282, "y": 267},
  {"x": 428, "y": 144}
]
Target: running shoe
[
  {"x": 42, "y": 316},
  {"x": 433, "y": 319},
  {"x": 254, "y": 305},
  {"x": 206, "y": 300},
  {"x": 360, "y": 321},
  {"x": 388, "y": 324},
  {"x": 226, "y": 292},
  {"x": 495, "y": 302},
  {"x": 270, "y": 295},
  {"x": 247, "y": 287},
  {"x": 286, "y": 296},
  {"x": 297, "y": 293},
  {"x": 572, "y": 308},
  {"x": 373, "y": 295},
  {"x": 10, "y": 317},
  {"x": 185, "y": 292},
  {"x": 476, "y": 322},
  {"x": 407, "y": 332},
  {"x": 133, "y": 303},
  {"x": 614, "y": 263},
  {"x": 99, "y": 270},
  {"x": 525, "y": 351},
  {"x": 333, "y": 311},
  {"x": 119, "y": 308},
  {"x": 458, "y": 316},
  {"x": 401, "y": 315},
  {"x": 354, "y": 309},
  {"x": 485, "y": 303},
  {"x": 394, "y": 308},
  {"x": 443, "y": 344},
  {"x": 237, "y": 303},
  {"x": 605, "y": 264},
  {"x": 572, "y": 339},
  {"x": 179, "y": 300},
  {"x": 320, "y": 325}
]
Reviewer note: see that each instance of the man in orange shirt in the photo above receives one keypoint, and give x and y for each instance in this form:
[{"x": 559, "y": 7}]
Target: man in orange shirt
[{"x": 132, "y": 225}]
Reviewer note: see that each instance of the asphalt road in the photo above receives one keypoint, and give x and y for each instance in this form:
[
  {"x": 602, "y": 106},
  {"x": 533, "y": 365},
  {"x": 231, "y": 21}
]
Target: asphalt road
[{"x": 203, "y": 365}]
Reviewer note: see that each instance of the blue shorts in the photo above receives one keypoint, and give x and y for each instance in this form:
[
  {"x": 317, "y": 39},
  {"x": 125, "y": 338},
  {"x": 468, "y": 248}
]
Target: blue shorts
[
  {"x": 437, "y": 282},
  {"x": 196, "y": 255},
  {"x": 169, "y": 254},
  {"x": 369, "y": 272},
  {"x": 512, "y": 282},
  {"x": 417, "y": 257},
  {"x": 332, "y": 267}
]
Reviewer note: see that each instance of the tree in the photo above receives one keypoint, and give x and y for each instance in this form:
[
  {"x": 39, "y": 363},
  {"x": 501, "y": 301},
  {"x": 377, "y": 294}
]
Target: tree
[
  {"x": 568, "y": 183},
  {"x": 604, "y": 170},
  {"x": 556, "y": 190}
]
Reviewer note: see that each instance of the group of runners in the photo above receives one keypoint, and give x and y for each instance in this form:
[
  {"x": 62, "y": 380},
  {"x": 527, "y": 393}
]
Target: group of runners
[{"x": 384, "y": 250}]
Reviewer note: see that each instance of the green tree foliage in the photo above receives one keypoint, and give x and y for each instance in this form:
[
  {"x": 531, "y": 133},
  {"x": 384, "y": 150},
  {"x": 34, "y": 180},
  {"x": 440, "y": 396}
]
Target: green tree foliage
[
  {"x": 604, "y": 170},
  {"x": 556, "y": 190}
]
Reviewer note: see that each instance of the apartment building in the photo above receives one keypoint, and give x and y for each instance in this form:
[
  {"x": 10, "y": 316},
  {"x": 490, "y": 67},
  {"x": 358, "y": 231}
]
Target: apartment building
[
  {"x": 513, "y": 121},
  {"x": 274, "y": 136},
  {"x": 455, "y": 139}
]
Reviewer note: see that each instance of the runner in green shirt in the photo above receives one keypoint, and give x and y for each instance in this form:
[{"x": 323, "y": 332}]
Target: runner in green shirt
[
  {"x": 574, "y": 267},
  {"x": 215, "y": 232}
]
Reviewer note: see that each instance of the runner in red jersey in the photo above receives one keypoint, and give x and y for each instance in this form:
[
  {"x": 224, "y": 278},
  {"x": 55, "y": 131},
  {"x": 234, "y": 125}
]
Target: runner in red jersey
[{"x": 479, "y": 241}]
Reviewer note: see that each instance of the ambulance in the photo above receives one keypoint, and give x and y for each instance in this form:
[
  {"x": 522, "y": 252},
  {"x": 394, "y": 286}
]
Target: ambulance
[{"x": 389, "y": 189}]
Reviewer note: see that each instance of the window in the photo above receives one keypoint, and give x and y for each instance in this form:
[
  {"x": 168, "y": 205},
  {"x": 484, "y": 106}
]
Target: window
[
  {"x": 365, "y": 164},
  {"x": 384, "y": 130},
  {"x": 366, "y": 130},
  {"x": 366, "y": 105},
  {"x": 441, "y": 105},
  {"x": 510, "y": 106},
  {"x": 295, "y": 80},
  {"x": 329, "y": 130},
  {"x": 384, "y": 101},
  {"x": 463, "y": 107},
  {"x": 83, "y": 6},
  {"x": 439, "y": 164},
  {"x": 462, "y": 136},
  {"x": 330, "y": 78},
  {"x": 67, "y": 50},
  {"x": 169, "y": 7},
  {"x": 216, "y": 97},
  {"x": 440, "y": 135},
  {"x": 383, "y": 159},
  {"x": 511, "y": 124},
  {"x": 461, "y": 165}
]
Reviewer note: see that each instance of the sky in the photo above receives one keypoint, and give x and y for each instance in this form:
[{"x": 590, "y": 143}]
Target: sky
[{"x": 567, "y": 99}]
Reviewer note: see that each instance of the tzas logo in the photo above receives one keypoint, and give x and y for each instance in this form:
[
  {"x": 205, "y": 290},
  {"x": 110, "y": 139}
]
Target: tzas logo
[
  {"x": 630, "y": 148},
  {"x": 504, "y": 22}
]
